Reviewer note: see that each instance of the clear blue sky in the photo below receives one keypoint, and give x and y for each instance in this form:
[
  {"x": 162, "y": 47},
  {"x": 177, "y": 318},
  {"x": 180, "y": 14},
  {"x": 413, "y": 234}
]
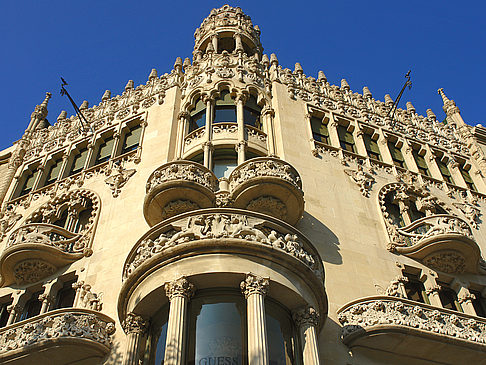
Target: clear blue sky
[{"x": 99, "y": 45}]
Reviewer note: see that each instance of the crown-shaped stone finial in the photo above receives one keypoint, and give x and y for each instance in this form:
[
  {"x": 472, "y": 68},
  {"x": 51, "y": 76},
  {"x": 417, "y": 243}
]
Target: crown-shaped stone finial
[
  {"x": 178, "y": 64},
  {"x": 129, "y": 85},
  {"x": 430, "y": 114},
  {"x": 410, "y": 107},
  {"x": 153, "y": 74},
  {"x": 265, "y": 60},
  {"x": 344, "y": 84},
  {"x": 273, "y": 59},
  {"x": 62, "y": 115},
  {"x": 187, "y": 63},
  {"x": 106, "y": 95},
  {"x": 321, "y": 76},
  {"x": 388, "y": 99},
  {"x": 367, "y": 93},
  {"x": 84, "y": 105},
  {"x": 298, "y": 68}
]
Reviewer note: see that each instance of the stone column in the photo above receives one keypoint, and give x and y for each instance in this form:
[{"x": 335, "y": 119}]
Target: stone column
[
  {"x": 14, "y": 310},
  {"x": 268, "y": 114},
  {"x": 307, "y": 320},
  {"x": 241, "y": 147},
  {"x": 465, "y": 299},
  {"x": 254, "y": 288},
  {"x": 179, "y": 292},
  {"x": 207, "y": 131},
  {"x": 181, "y": 133},
  {"x": 432, "y": 292},
  {"x": 135, "y": 327}
]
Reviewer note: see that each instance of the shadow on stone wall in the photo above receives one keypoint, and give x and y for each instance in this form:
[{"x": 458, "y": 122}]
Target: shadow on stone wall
[{"x": 323, "y": 239}]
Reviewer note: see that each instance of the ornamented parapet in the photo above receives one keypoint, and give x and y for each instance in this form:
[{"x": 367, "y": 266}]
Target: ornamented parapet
[
  {"x": 268, "y": 185},
  {"x": 178, "y": 187},
  {"x": 367, "y": 318},
  {"x": 89, "y": 330},
  {"x": 223, "y": 229}
]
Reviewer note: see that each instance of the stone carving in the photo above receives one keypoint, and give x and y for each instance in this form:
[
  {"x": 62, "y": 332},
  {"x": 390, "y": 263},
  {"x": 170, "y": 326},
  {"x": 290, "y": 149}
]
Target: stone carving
[
  {"x": 268, "y": 205},
  {"x": 87, "y": 298},
  {"x": 177, "y": 207},
  {"x": 307, "y": 316},
  {"x": 221, "y": 225},
  {"x": 134, "y": 323},
  {"x": 32, "y": 270},
  {"x": 194, "y": 136},
  {"x": 182, "y": 170},
  {"x": 223, "y": 199},
  {"x": 265, "y": 167},
  {"x": 446, "y": 261},
  {"x": 471, "y": 211},
  {"x": 393, "y": 289},
  {"x": 118, "y": 180},
  {"x": 68, "y": 324},
  {"x": 179, "y": 288},
  {"x": 254, "y": 284},
  {"x": 362, "y": 178},
  {"x": 8, "y": 219},
  {"x": 225, "y": 128},
  {"x": 407, "y": 316}
]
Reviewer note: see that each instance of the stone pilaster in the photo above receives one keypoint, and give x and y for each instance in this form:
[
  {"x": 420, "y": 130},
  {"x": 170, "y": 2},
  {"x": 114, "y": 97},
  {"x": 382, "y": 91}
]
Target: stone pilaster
[
  {"x": 179, "y": 293},
  {"x": 307, "y": 320},
  {"x": 255, "y": 288},
  {"x": 135, "y": 327}
]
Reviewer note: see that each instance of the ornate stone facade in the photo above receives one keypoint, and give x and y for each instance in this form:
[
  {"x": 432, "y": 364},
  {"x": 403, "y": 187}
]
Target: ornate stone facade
[{"x": 227, "y": 210}]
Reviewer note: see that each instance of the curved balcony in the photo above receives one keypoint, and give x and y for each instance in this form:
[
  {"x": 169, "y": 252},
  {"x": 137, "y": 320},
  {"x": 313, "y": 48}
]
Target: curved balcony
[
  {"x": 414, "y": 329},
  {"x": 37, "y": 250},
  {"x": 268, "y": 185},
  {"x": 77, "y": 335},
  {"x": 442, "y": 242},
  {"x": 178, "y": 187}
]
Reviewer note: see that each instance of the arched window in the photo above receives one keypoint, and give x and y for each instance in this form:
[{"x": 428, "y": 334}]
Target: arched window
[
  {"x": 393, "y": 210},
  {"x": 65, "y": 295},
  {"x": 198, "y": 116},
  {"x": 225, "y": 108},
  {"x": 32, "y": 306},
  {"x": 252, "y": 112},
  {"x": 83, "y": 217}
]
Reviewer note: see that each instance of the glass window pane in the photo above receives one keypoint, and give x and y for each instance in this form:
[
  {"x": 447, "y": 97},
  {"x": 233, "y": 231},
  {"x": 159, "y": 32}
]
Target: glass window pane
[
  {"x": 79, "y": 161},
  {"x": 279, "y": 336},
  {"x": 65, "y": 295},
  {"x": 197, "y": 121},
  {"x": 223, "y": 168},
  {"x": 132, "y": 139},
  {"x": 105, "y": 150},
  {"x": 224, "y": 114},
  {"x": 252, "y": 117},
  {"x": 160, "y": 350},
  {"x": 32, "y": 307},
  {"x": 4, "y": 313},
  {"x": 225, "y": 99},
  {"x": 29, "y": 182},
  {"x": 53, "y": 173}
]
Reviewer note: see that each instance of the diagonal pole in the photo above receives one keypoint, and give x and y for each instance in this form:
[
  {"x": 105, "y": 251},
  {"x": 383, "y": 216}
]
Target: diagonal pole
[
  {"x": 82, "y": 119},
  {"x": 397, "y": 100}
]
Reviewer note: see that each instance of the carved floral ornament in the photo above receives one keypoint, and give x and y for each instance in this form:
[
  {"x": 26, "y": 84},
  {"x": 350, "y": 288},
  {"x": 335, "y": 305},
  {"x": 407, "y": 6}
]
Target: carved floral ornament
[{"x": 219, "y": 225}]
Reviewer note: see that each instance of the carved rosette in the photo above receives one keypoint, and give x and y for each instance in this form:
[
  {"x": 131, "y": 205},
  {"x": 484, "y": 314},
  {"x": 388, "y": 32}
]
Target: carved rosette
[
  {"x": 254, "y": 284},
  {"x": 307, "y": 316},
  {"x": 179, "y": 288},
  {"x": 134, "y": 323}
]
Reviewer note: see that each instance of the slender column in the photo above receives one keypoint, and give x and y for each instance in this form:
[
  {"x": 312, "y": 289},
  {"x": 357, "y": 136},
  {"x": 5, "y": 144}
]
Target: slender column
[
  {"x": 48, "y": 297},
  {"x": 307, "y": 320},
  {"x": 181, "y": 129},
  {"x": 466, "y": 298},
  {"x": 135, "y": 327},
  {"x": 14, "y": 310},
  {"x": 254, "y": 288},
  {"x": 432, "y": 292},
  {"x": 208, "y": 131},
  {"x": 333, "y": 133},
  {"x": 179, "y": 292},
  {"x": 241, "y": 147},
  {"x": 268, "y": 114}
]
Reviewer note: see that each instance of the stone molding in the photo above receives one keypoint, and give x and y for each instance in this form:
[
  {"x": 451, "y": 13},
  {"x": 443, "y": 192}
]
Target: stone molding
[
  {"x": 134, "y": 323},
  {"x": 70, "y": 324},
  {"x": 372, "y": 314},
  {"x": 306, "y": 316},
  {"x": 179, "y": 288},
  {"x": 254, "y": 284}
]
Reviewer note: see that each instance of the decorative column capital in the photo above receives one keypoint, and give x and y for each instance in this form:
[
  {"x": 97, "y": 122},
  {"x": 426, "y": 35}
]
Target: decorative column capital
[
  {"x": 271, "y": 112},
  {"x": 432, "y": 289},
  {"x": 15, "y": 308},
  {"x": 306, "y": 316},
  {"x": 241, "y": 96},
  {"x": 179, "y": 288},
  {"x": 466, "y": 298},
  {"x": 254, "y": 284},
  {"x": 134, "y": 323},
  {"x": 45, "y": 298},
  {"x": 183, "y": 115}
]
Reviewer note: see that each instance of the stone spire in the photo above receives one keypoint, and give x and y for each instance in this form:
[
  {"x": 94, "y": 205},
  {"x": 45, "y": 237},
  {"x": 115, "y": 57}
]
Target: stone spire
[
  {"x": 344, "y": 85},
  {"x": 449, "y": 106},
  {"x": 62, "y": 115},
  {"x": 430, "y": 114},
  {"x": 40, "y": 111},
  {"x": 129, "y": 85},
  {"x": 106, "y": 95},
  {"x": 388, "y": 100},
  {"x": 321, "y": 76},
  {"x": 410, "y": 107},
  {"x": 367, "y": 93},
  {"x": 153, "y": 74}
]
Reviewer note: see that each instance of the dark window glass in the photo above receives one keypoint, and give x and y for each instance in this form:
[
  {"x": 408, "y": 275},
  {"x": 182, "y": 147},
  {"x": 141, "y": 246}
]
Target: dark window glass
[
  {"x": 224, "y": 162},
  {"x": 444, "y": 170},
  {"x": 132, "y": 139},
  {"x": 251, "y": 113},
  {"x": 421, "y": 163},
  {"x": 279, "y": 335},
  {"x": 396, "y": 155},
  {"x": 415, "y": 214},
  {"x": 83, "y": 218},
  {"x": 61, "y": 222},
  {"x": 372, "y": 148},
  {"x": 225, "y": 109},
  {"x": 319, "y": 130},
  {"x": 104, "y": 150},
  {"x": 65, "y": 295},
  {"x": 467, "y": 179},
  {"x": 217, "y": 332},
  {"x": 32, "y": 307},
  {"x": 393, "y": 211},
  {"x": 226, "y": 44},
  {"x": 53, "y": 172},
  {"x": 4, "y": 313},
  {"x": 448, "y": 297},
  {"x": 160, "y": 346},
  {"x": 415, "y": 289},
  {"x": 346, "y": 139},
  {"x": 479, "y": 303},
  {"x": 198, "y": 116},
  {"x": 79, "y": 161},
  {"x": 29, "y": 181}
]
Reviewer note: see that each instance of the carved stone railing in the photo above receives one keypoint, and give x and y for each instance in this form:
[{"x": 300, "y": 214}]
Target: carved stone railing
[
  {"x": 268, "y": 185},
  {"x": 37, "y": 250},
  {"x": 178, "y": 187},
  {"x": 57, "y": 332},
  {"x": 442, "y": 242},
  {"x": 256, "y": 136},
  {"x": 376, "y": 320},
  {"x": 224, "y": 130},
  {"x": 193, "y": 138},
  {"x": 221, "y": 230}
]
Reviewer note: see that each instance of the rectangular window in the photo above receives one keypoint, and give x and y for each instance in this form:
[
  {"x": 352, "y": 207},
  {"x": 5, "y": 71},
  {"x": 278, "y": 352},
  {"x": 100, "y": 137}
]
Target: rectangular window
[
  {"x": 132, "y": 139},
  {"x": 79, "y": 162},
  {"x": 421, "y": 164},
  {"x": 396, "y": 155},
  {"x": 32, "y": 307},
  {"x": 444, "y": 170},
  {"x": 479, "y": 303},
  {"x": 467, "y": 178},
  {"x": 372, "y": 148},
  {"x": 198, "y": 116},
  {"x": 448, "y": 297},
  {"x": 346, "y": 139},
  {"x": 53, "y": 172},
  {"x": 105, "y": 150},
  {"x": 4, "y": 313},
  {"x": 415, "y": 289},
  {"x": 320, "y": 133},
  {"x": 29, "y": 182},
  {"x": 65, "y": 295}
]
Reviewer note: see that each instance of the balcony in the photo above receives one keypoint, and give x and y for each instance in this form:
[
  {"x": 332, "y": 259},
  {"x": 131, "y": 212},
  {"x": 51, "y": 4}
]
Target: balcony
[
  {"x": 268, "y": 185},
  {"x": 37, "y": 250},
  {"x": 65, "y": 335},
  {"x": 418, "y": 330},
  {"x": 442, "y": 242},
  {"x": 178, "y": 187}
]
